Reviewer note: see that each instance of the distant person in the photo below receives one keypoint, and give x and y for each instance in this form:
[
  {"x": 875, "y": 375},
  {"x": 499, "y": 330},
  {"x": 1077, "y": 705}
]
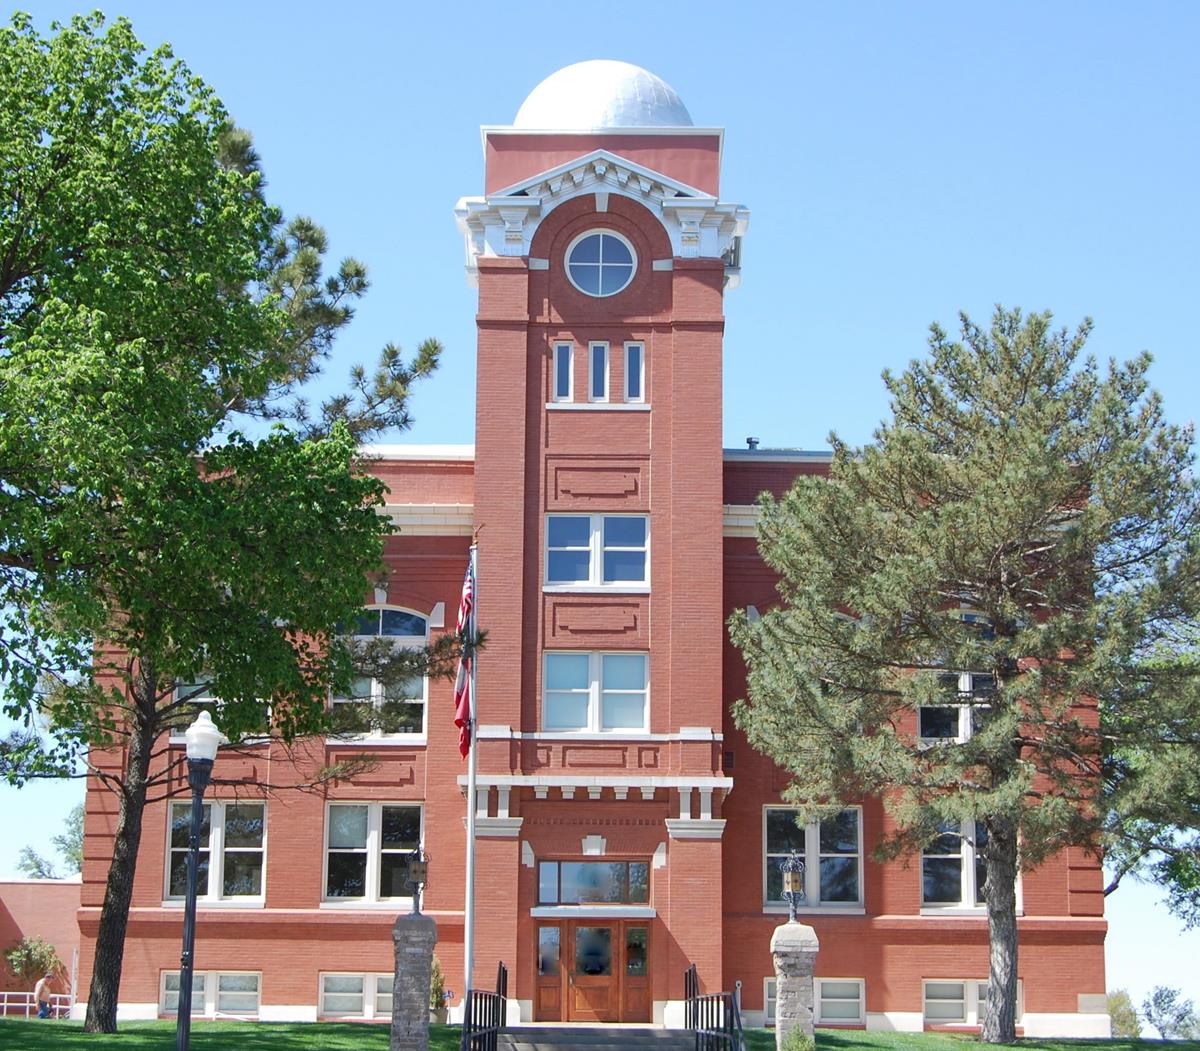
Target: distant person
[{"x": 42, "y": 994}]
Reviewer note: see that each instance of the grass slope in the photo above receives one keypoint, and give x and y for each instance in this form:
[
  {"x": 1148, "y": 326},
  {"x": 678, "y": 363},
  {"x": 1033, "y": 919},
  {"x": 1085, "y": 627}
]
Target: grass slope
[{"x": 19, "y": 1035}]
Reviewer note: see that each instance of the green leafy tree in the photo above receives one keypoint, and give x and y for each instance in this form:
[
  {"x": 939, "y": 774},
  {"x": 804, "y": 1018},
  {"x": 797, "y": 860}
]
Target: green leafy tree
[
  {"x": 1174, "y": 1017},
  {"x": 69, "y": 843},
  {"x": 1123, "y": 1015},
  {"x": 1019, "y": 481},
  {"x": 155, "y": 313},
  {"x": 30, "y": 958},
  {"x": 30, "y": 863}
]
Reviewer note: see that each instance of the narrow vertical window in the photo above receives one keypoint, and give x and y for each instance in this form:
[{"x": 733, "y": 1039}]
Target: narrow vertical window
[
  {"x": 633, "y": 372},
  {"x": 598, "y": 381},
  {"x": 562, "y": 371}
]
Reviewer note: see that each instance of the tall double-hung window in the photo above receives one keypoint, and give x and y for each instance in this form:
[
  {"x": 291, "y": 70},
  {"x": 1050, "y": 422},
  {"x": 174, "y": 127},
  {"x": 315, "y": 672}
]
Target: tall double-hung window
[
  {"x": 954, "y": 866},
  {"x": 376, "y": 711},
  {"x": 598, "y": 551},
  {"x": 832, "y": 853},
  {"x": 596, "y": 692}
]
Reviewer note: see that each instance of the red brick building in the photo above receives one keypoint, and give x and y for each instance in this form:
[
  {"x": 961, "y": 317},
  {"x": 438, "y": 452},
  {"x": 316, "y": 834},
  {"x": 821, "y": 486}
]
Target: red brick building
[{"x": 624, "y": 828}]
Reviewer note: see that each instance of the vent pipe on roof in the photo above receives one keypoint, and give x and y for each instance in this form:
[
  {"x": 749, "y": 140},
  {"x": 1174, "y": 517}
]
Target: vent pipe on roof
[{"x": 752, "y": 444}]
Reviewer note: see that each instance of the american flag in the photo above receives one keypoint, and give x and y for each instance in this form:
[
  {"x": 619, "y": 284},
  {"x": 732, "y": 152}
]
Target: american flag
[{"x": 462, "y": 685}]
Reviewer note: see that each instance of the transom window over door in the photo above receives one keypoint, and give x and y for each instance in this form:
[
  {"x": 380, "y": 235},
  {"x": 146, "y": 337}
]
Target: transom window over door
[
  {"x": 593, "y": 882},
  {"x": 597, "y": 692},
  {"x": 597, "y": 551},
  {"x": 600, "y": 263}
]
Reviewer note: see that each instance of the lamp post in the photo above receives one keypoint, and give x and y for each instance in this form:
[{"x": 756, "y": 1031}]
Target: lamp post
[
  {"x": 203, "y": 739},
  {"x": 418, "y": 872},
  {"x": 792, "y": 868}
]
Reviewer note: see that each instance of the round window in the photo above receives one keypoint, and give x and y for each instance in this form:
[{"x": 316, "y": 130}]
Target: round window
[{"x": 600, "y": 263}]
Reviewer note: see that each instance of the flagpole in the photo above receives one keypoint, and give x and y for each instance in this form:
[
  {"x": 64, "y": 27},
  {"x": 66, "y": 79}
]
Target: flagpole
[{"x": 472, "y": 768}]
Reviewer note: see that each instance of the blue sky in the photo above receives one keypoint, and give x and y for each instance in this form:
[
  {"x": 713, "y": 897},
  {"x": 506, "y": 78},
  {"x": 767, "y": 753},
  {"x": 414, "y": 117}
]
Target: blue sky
[{"x": 900, "y": 162}]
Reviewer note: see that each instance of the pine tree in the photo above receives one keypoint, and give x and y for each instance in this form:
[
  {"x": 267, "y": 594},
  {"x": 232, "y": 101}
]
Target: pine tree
[{"x": 962, "y": 597}]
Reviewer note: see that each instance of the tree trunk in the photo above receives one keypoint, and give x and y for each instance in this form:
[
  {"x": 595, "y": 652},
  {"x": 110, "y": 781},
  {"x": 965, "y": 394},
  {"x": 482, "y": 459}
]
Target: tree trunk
[
  {"x": 1000, "y": 1023},
  {"x": 118, "y": 891}
]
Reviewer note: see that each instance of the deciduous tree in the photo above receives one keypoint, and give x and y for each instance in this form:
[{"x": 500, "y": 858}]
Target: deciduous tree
[
  {"x": 154, "y": 312},
  {"x": 962, "y": 597}
]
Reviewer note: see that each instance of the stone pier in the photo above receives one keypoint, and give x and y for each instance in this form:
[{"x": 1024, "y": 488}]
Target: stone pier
[
  {"x": 414, "y": 937},
  {"x": 794, "y": 951}
]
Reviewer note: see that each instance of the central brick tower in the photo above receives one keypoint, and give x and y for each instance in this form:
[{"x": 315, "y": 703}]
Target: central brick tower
[{"x": 601, "y": 251}]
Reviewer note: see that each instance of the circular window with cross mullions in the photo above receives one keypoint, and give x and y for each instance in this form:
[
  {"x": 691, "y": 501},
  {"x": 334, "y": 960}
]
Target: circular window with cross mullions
[{"x": 600, "y": 263}]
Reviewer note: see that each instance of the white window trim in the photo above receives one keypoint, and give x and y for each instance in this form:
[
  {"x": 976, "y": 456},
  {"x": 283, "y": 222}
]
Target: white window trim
[
  {"x": 594, "y": 346},
  {"x": 370, "y": 993},
  {"x": 559, "y": 347},
  {"x": 966, "y": 711},
  {"x": 370, "y": 900},
  {"x": 818, "y": 997},
  {"x": 641, "y": 369},
  {"x": 210, "y": 897},
  {"x": 209, "y": 997},
  {"x": 595, "y": 581},
  {"x": 595, "y": 672},
  {"x": 770, "y": 1000},
  {"x": 965, "y": 906},
  {"x": 812, "y": 870},
  {"x": 212, "y": 702},
  {"x": 971, "y": 1015},
  {"x": 399, "y": 642},
  {"x": 610, "y": 233}
]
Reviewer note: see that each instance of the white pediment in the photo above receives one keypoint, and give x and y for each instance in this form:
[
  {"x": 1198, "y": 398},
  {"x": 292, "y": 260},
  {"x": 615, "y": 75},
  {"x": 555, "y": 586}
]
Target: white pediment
[{"x": 698, "y": 224}]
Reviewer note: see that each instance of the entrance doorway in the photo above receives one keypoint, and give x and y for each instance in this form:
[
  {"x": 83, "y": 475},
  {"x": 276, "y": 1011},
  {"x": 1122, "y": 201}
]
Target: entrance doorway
[{"x": 593, "y": 970}]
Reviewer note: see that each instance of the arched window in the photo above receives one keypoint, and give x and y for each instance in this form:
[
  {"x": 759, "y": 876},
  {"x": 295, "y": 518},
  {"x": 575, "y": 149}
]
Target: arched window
[{"x": 376, "y": 712}]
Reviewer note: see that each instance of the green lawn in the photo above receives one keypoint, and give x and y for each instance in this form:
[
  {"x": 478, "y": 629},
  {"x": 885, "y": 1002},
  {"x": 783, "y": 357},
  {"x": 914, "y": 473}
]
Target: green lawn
[{"x": 19, "y": 1035}]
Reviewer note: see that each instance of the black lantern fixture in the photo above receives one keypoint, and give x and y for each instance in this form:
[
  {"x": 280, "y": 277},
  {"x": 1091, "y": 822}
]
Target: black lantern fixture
[
  {"x": 203, "y": 739},
  {"x": 792, "y": 868},
  {"x": 418, "y": 872}
]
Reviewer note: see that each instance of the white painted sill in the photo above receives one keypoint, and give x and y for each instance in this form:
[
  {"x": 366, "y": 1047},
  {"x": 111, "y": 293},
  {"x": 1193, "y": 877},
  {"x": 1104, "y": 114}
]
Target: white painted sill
[
  {"x": 398, "y": 741},
  {"x": 588, "y": 912},
  {"x": 598, "y": 406},
  {"x": 218, "y": 904},
  {"x": 354, "y": 905},
  {"x": 596, "y": 589},
  {"x": 774, "y": 909}
]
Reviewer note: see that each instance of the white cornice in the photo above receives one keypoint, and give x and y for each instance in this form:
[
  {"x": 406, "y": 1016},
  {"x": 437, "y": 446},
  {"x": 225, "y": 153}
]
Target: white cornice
[
  {"x": 432, "y": 519},
  {"x": 696, "y": 828},
  {"x": 503, "y": 224},
  {"x": 568, "y": 780},
  {"x": 776, "y": 456},
  {"x": 418, "y": 452}
]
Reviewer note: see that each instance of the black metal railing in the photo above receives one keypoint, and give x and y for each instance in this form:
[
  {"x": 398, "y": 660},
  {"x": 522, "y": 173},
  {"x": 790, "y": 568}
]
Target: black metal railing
[
  {"x": 483, "y": 1017},
  {"x": 714, "y": 1018}
]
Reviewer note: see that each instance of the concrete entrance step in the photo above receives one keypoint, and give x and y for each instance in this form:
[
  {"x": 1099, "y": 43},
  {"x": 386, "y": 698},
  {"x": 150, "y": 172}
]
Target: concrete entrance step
[{"x": 595, "y": 1038}]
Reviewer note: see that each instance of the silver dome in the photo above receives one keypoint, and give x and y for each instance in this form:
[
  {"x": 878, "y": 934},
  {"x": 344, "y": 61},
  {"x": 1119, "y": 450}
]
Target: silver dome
[{"x": 588, "y": 96}]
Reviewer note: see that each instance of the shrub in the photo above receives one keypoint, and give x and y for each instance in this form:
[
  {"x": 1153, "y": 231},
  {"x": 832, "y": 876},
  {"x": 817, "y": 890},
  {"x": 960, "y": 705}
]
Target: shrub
[
  {"x": 798, "y": 1040},
  {"x": 30, "y": 958},
  {"x": 437, "y": 987}
]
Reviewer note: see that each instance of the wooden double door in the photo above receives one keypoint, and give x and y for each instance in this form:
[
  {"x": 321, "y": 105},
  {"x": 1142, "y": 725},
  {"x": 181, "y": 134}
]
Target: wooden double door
[{"x": 593, "y": 970}]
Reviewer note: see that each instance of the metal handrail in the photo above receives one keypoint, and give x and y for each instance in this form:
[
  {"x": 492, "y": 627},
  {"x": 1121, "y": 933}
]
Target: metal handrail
[
  {"x": 483, "y": 1015},
  {"x": 714, "y": 1018},
  {"x": 22, "y": 1003}
]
